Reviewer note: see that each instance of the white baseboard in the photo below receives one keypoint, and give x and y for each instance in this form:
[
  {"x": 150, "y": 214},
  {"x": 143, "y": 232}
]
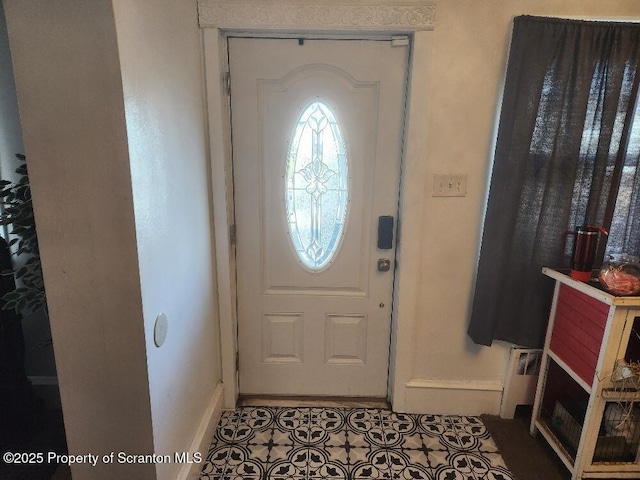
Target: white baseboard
[
  {"x": 204, "y": 434},
  {"x": 453, "y": 397}
]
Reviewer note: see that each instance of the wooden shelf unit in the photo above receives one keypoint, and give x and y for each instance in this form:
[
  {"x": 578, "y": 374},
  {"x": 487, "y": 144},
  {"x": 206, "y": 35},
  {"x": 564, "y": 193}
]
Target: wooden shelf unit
[{"x": 589, "y": 332}]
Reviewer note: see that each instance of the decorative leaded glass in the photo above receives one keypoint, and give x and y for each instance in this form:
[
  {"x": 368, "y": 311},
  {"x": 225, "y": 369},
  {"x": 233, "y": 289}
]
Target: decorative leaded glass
[{"x": 316, "y": 186}]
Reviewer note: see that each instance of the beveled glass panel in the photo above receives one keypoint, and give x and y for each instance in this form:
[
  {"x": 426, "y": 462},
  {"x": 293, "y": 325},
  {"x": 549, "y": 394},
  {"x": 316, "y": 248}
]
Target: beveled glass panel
[{"x": 316, "y": 186}]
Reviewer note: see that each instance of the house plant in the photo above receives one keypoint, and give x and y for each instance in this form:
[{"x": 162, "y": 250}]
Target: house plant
[
  {"x": 22, "y": 410},
  {"x": 17, "y": 213}
]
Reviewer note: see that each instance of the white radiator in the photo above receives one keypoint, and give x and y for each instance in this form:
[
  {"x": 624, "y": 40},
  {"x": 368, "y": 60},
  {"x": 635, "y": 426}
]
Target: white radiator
[{"x": 522, "y": 377}]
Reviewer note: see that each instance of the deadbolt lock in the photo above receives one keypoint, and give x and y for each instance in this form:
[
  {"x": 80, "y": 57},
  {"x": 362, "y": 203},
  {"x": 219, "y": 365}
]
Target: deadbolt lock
[{"x": 384, "y": 264}]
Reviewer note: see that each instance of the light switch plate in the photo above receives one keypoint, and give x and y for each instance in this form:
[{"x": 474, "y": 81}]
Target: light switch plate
[{"x": 450, "y": 185}]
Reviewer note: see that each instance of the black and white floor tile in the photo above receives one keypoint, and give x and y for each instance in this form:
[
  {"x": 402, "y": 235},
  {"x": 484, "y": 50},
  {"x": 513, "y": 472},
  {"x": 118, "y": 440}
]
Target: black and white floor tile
[{"x": 269, "y": 443}]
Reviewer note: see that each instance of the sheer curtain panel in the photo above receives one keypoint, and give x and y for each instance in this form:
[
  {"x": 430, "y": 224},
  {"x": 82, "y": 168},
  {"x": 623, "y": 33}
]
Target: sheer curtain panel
[{"x": 566, "y": 155}]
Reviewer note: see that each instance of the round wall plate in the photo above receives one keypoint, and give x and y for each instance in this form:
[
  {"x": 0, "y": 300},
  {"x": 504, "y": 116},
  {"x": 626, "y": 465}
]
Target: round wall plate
[{"x": 160, "y": 329}]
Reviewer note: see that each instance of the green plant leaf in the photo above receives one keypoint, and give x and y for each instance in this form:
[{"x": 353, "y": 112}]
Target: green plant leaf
[
  {"x": 17, "y": 213},
  {"x": 11, "y": 296}
]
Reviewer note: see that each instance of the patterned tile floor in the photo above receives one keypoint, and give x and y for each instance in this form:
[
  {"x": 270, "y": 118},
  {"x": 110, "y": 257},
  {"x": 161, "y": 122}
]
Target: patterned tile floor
[{"x": 351, "y": 444}]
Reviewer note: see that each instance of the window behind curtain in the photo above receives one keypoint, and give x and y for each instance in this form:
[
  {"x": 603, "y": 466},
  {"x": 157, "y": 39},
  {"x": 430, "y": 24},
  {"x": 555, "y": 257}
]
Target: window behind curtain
[
  {"x": 624, "y": 232},
  {"x": 567, "y": 154}
]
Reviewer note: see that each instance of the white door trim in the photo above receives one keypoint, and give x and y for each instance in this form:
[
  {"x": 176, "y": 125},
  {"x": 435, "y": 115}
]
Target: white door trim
[{"x": 413, "y": 18}]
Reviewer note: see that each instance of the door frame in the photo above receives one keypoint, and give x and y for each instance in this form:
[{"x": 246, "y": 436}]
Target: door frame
[{"x": 315, "y": 19}]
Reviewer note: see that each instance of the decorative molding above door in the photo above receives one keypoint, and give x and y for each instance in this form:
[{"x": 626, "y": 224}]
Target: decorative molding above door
[{"x": 409, "y": 15}]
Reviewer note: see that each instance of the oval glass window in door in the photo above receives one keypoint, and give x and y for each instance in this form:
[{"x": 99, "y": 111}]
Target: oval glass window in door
[{"x": 316, "y": 186}]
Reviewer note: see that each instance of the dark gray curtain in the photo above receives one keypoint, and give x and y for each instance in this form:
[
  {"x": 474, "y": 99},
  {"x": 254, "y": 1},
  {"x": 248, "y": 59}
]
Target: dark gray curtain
[{"x": 566, "y": 155}]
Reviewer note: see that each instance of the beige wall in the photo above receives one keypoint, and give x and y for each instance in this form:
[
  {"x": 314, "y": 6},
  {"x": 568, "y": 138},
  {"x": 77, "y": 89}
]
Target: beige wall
[
  {"x": 72, "y": 111},
  {"x": 39, "y": 361},
  {"x": 469, "y": 49},
  {"x": 111, "y": 101},
  {"x": 10, "y": 131}
]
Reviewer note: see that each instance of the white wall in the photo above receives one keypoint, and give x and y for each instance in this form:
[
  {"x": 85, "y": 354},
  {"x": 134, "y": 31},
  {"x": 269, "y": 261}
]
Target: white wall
[
  {"x": 161, "y": 60},
  {"x": 111, "y": 100},
  {"x": 468, "y": 54}
]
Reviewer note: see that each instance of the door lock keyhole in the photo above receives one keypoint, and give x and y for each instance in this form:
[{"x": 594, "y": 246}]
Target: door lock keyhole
[{"x": 384, "y": 264}]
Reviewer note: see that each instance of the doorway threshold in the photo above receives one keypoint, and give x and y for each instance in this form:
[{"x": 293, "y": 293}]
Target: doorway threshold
[{"x": 319, "y": 401}]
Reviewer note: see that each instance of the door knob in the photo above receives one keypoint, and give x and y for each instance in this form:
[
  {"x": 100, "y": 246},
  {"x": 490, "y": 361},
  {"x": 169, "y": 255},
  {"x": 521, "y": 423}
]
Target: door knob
[{"x": 384, "y": 264}]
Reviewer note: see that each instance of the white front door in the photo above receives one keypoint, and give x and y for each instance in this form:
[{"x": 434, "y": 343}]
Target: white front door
[{"x": 317, "y": 137}]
